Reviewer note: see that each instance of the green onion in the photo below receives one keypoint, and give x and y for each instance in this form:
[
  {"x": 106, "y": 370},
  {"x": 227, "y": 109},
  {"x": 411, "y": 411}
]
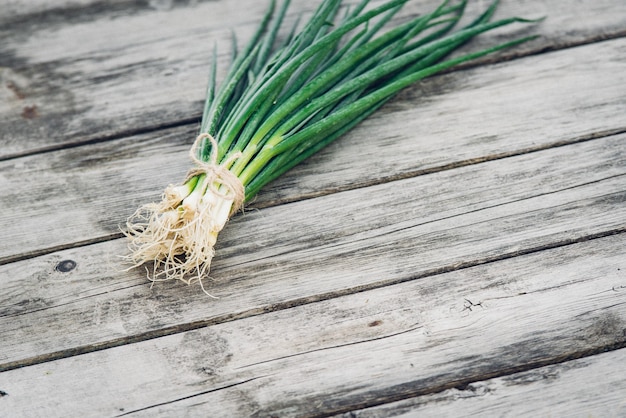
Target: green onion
[{"x": 283, "y": 101}]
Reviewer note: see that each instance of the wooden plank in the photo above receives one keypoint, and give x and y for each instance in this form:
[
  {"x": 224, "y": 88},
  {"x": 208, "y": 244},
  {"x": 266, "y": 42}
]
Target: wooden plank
[
  {"x": 418, "y": 337},
  {"x": 17, "y": 10},
  {"x": 593, "y": 386},
  {"x": 100, "y": 185},
  {"x": 110, "y": 72},
  {"x": 318, "y": 248}
]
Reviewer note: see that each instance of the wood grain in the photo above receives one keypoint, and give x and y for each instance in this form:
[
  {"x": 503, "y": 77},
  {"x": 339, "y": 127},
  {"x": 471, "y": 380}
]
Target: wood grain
[
  {"x": 420, "y": 337},
  {"x": 89, "y": 72},
  {"x": 319, "y": 248},
  {"x": 593, "y": 386},
  {"x": 459, "y": 253},
  {"x": 84, "y": 194}
]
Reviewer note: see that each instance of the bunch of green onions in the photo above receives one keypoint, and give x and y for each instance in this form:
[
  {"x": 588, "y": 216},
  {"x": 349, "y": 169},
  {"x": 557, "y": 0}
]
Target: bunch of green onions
[{"x": 284, "y": 99}]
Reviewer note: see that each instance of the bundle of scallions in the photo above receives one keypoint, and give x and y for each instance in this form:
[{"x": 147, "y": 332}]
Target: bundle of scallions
[{"x": 285, "y": 97}]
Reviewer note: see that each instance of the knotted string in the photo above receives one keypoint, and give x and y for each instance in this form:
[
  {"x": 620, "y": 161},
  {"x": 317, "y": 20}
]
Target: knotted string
[{"x": 219, "y": 178}]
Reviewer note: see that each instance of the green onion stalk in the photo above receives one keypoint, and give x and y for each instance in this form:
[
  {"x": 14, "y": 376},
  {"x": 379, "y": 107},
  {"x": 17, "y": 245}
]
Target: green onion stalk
[{"x": 285, "y": 98}]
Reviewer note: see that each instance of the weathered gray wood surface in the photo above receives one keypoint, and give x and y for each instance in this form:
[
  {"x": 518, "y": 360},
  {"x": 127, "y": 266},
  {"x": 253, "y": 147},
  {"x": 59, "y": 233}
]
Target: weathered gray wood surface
[
  {"x": 590, "y": 387},
  {"x": 73, "y": 73},
  {"x": 403, "y": 340},
  {"x": 465, "y": 216},
  {"x": 98, "y": 185},
  {"x": 475, "y": 244}
]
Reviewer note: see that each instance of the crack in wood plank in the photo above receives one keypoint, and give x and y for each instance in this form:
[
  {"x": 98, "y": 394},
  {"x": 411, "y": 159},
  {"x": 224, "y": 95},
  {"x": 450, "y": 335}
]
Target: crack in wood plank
[
  {"x": 395, "y": 334},
  {"x": 205, "y": 392}
]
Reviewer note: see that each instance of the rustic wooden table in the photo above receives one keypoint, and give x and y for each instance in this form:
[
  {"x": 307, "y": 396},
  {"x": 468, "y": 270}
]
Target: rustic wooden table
[{"x": 462, "y": 252}]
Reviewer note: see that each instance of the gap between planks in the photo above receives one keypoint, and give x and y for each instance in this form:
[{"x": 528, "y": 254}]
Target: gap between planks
[
  {"x": 555, "y": 31},
  {"x": 462, "y": 385},
  {"x": 342, "y": 167},
  {"x": 508, "y": 395},
  {"x": 194, "y": 120},
  {"x": 590, "y": 274},
  {"x": 430, "y": 226},
  {"x": 444, "y": 167},
  {"x": 383, "y": 400},
  {"x": 221, "y": 319},
  {"x": 344, "y": 188}
]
